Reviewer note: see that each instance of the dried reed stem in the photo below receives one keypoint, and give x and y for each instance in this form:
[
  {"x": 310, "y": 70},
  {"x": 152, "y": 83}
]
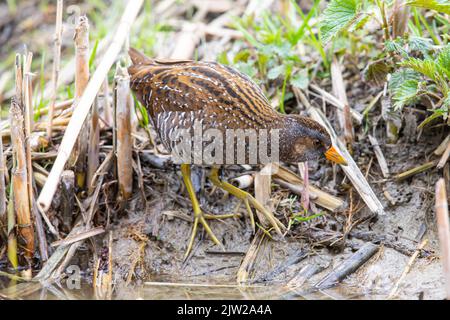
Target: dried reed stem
[
  {"x": 123, "y": 132},
  {"x": 27, "y": 102},
  {"x": 77, "y": 159},
  {"x": 94, "y": 146},
  {"x": 20, "y": 179},
  {"x": 3, "y": 169},
  {"x": 12, "y": 239},
  {"x": 82, "y": 110},
  {"x": 379, "y": 155},
  {"x": 56, "y": 63},
  {"x": 352, "y": 171},
  {"x": 344, "y": 116},
  {"x": 443, "y": 231},
  {"x": 104, "y": 103},
  {"x": 263, "y": 190}
]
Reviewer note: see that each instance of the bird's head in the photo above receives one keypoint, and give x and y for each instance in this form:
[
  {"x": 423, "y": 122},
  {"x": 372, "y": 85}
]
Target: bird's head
[{"x": 304, "y": 139}]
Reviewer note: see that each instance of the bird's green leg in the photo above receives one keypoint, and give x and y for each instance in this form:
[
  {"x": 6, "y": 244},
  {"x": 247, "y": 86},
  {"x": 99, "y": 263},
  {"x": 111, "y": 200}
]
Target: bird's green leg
[
  {"x": 198, "y": 214},
  {"x": 247, "y": 198}
]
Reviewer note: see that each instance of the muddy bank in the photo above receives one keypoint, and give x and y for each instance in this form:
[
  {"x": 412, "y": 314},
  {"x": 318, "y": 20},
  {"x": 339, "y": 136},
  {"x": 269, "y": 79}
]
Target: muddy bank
[{"x": 151, "y": 243}]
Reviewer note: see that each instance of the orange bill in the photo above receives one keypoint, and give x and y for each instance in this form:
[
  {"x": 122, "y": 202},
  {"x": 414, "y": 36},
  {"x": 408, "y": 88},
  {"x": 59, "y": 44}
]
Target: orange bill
[{"x": 333, "y": 155}]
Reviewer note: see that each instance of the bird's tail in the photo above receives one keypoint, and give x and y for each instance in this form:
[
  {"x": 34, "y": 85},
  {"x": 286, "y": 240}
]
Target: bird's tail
[{"x": 138, "y": 57}]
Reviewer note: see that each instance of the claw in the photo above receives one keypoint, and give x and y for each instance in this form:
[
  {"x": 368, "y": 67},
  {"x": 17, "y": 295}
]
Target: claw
[
  {"x": 248, "y": 200},
  {"x": 199, "y": 217}
]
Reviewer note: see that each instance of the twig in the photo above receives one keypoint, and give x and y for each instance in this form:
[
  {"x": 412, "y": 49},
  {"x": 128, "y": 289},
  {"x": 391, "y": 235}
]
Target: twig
[
  {"x": 56, "y": 64},
  {"x": 78, "y": 237},
  {"x": 444, "y": 157},
  {"x": 349, "y": 266},
  {"x": 339, "y": 91},
  {"x": 443, "y": 231},
  {"x": 77, "y": 159},
  {"x": 3, "y": 169},
  {"x": 80, "y": 113},
  {"x": 416, "y": 170},
  {"x": 28, "y": 121},
  {"x": 20, "y": 179},
  {"x": 123, "y": 133},
  {"x": 243, "y": 182},
  {"x": 249, "y": 259},
  {"x": 407, "y": 268},
  {"x": 94, "y": 147},
  {"x": 288, "y": 179},
  {"x": 380, "y": 156},
  {"x": 352, "y": 170},
  {"x": 442, "y": 146},
  {"x": 262, "y": 185},
  {"x": 336, "y": 102},
  {"x": 67, "y": 193}
]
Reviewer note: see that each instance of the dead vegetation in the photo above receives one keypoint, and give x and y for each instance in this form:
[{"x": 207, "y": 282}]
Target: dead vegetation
[{"x": 85, "y": 182}]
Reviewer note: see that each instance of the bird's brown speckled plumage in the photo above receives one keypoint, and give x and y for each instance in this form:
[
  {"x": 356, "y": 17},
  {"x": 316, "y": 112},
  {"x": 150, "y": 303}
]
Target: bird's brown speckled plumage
[{"x": 176, "y": 93}]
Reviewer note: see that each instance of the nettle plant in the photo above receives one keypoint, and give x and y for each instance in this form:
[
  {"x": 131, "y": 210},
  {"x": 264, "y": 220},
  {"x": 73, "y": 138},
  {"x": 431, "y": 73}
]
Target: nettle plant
[
  {"x": 276, "y": 43},
  {"x": 294, "y": 48},
  {"x": 415, "y": 60}
]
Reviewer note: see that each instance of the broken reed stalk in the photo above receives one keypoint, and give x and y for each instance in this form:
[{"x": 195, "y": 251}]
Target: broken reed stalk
[
  {"x": 288, "y": 179},
  {"x": 416, "y": 170},
  {"x": 67, "y": 193},
  {"x": 56, "y": 65},
  {"x": 243, "y": 274},
  {"x": 12, "y": 239},
  {"x": 380, "y": 156},
  {"x": 123, "y": 132},
  {"x": 77, "y": 159},
  {"x": 350, "y": 265},
  {"x": 336, "y": 102},
  {"x": 20, "y": 179},
  {"x": 444, "y": 157},
  {"x": 3, "y": 169},
  {"x": 93, "y": 146},
  {"x": 84, "y": 105},
  {"x": 352, "y": 170},
  {"x": 27, "y": 102},
  {"x": 443, "y": 225},
  {"x": 262, "y": 183},
  {"x": 344, "y": 116},
  {"x": 104, "y": 104}
]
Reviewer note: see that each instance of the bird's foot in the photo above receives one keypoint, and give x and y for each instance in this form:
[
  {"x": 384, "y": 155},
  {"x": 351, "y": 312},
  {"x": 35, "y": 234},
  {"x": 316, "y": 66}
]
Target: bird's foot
[
  {"x": 199, "y": 216},
  {"x": 248, "y": 200}
]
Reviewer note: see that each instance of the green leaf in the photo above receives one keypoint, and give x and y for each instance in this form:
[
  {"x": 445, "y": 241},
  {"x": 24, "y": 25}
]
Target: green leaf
[
  {"x": 276, "y": 72},
  {"x": 427, "y": 67},
  {"x": 300, "y": 80},
  {"x": 93, "y": 54},
  {"x": 406, "y": 94},
  {"x": 437, "y": 5},
  {"x": 423, "y": 45},
  {"x": 400, "y": 76},
  {"x": 338, "y": 15},
  {"x": 443, "y": 60},
  {"x": 301, "y": 218},
  {"x": 396, "y": 46}
]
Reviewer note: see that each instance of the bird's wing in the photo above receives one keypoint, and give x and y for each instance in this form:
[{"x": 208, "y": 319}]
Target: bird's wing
[{"x": 218, "y": 95}]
